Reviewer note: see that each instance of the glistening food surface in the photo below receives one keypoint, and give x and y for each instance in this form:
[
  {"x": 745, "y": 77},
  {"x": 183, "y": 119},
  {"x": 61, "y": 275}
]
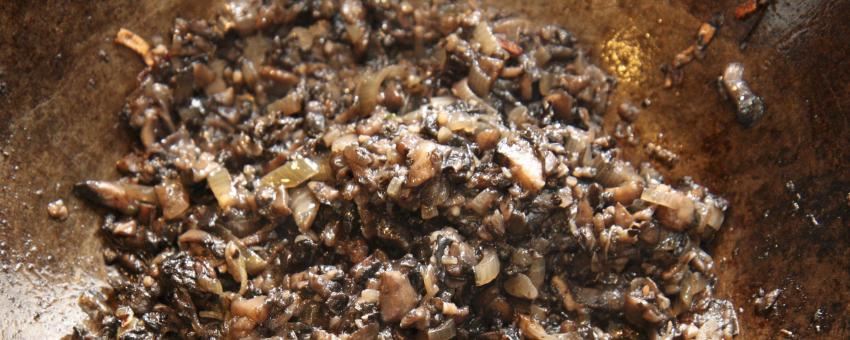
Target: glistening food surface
[{"x": 377, "y": 169}]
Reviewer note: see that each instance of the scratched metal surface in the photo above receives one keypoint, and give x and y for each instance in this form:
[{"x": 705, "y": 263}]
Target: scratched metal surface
[{"x": 58, "y": 124}]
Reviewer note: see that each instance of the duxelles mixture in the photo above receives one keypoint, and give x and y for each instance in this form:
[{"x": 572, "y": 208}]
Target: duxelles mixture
[{"x": 388, "y": 169}]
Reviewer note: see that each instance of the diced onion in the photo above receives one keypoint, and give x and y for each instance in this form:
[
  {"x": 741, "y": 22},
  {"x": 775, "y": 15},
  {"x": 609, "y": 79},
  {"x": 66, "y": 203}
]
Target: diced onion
[
  {"x": 487, "y": 269},
  {"x": 457, "y": 120},
  {"x": 484, "y": 36},
  {"x": 429, "y": 280},
  {"x": 444, "y": 331},
  {"x": 521, "y": 286},
  {"x": 236, "y": 265},
  {"x": 343, "y": 142},
  {"x": 482, "y": 202},
  {"x": 291, "y": 174},
  {"x": 479, "y": 80},
  {"x": 194, "y": 235},
  {"x": 444, "y": 135},
  {"x": 711, "y": 215},
  {"x": 369, "y": 296},
  {"x": 662, "y": 195},
  {"x": 537, "y": 271},
  {"x": 369, "y": 89},
  {"x": 289, "y": 105},
  {"x": 210, "y": 284},
  {"x": 222, "y": 187},
  {"x": 461, "y": 90},
  {"x": 531, "y": 329},
  {"x": 676, "y": 210},
  {"x": 692, "y": 284},
  {"x": 173, "y": 199},
  {"x": 255, "y": 308},
  {"x": 305, "y": 207},
  {"x": 394, "y": 188},
  {"x": 325, "y": 173},
  {"x": 442, "y": 101}
]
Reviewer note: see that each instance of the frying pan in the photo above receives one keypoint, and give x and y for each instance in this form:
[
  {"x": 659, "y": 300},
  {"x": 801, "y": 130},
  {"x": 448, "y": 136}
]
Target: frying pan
[{"x": 62, "y": 84}]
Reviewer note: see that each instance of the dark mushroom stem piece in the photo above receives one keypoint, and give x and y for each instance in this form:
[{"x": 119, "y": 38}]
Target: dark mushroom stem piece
[{"x": 749, "y": 107}]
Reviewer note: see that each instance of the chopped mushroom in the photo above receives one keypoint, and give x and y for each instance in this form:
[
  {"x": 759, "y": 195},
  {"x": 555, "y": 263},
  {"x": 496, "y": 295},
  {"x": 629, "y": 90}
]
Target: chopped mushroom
[
  {"x": 524, "y": 165},
  {"x": 645, "y": 305},
  {"x": 425, "y": 163},
  {"x": 397, "y": 296},
  {"x": 57, "y": 210}
]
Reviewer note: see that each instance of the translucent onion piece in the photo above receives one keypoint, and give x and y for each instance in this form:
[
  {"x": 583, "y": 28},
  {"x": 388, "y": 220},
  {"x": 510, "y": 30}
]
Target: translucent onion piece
[
  {"x": 444, "y": 331},
  {"x": 711, "y": 214},
  {"x": 526, "y": 168},
  {"x": 369, "y": 296},
  {"x": 210, "y": 284},
  {"x": 254, "y": 264},
  {"x": 222, "y": 187},
  {"x": 325, "y": 173},
  {"x": 289, "y": 105},
  {"x": 663, "y": 195},
  {"x": 305, "y": 207},
  {"x": 484, "y": 36},
  {"x": 487, "y": 269},
  {"x": 482, "y": 202},
  {"x": 442, "y": 101},
  {"x": 692, "y": 284},
  {"x": 457, "y": 120},
  {"x": 394, "y": 188},
  {"x": 195, "y": 236},
  {"x": 255, "y": 308},
  {"x": 676, "y": 209},
  {"x": 291, "y": 174},
  {"x": 537, "y": 271},
  {"x": 479, "y": 80},
  {"x": 521, "y": 286},
  {"x": 173, "y": 198},
  {"x": 343, "y": 142},
  {"x": 429, "y": 280},
  {"x": 531, "y": 329},
  {"x": 461, "y": 90},
  {"x": 369, "y": 89},
  {"x": 236, "y": 265}
]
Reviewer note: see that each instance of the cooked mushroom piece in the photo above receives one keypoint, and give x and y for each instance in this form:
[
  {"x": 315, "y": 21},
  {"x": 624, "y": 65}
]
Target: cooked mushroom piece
[{"x": 397, "y": 296}]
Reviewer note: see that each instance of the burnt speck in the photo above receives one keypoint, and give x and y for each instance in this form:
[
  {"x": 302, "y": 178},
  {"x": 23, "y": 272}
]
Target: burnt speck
[
  {"x": 822, "y": 320},
  {"x": 103, "y": 56},
  {"x": 765, "y": 301}
]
